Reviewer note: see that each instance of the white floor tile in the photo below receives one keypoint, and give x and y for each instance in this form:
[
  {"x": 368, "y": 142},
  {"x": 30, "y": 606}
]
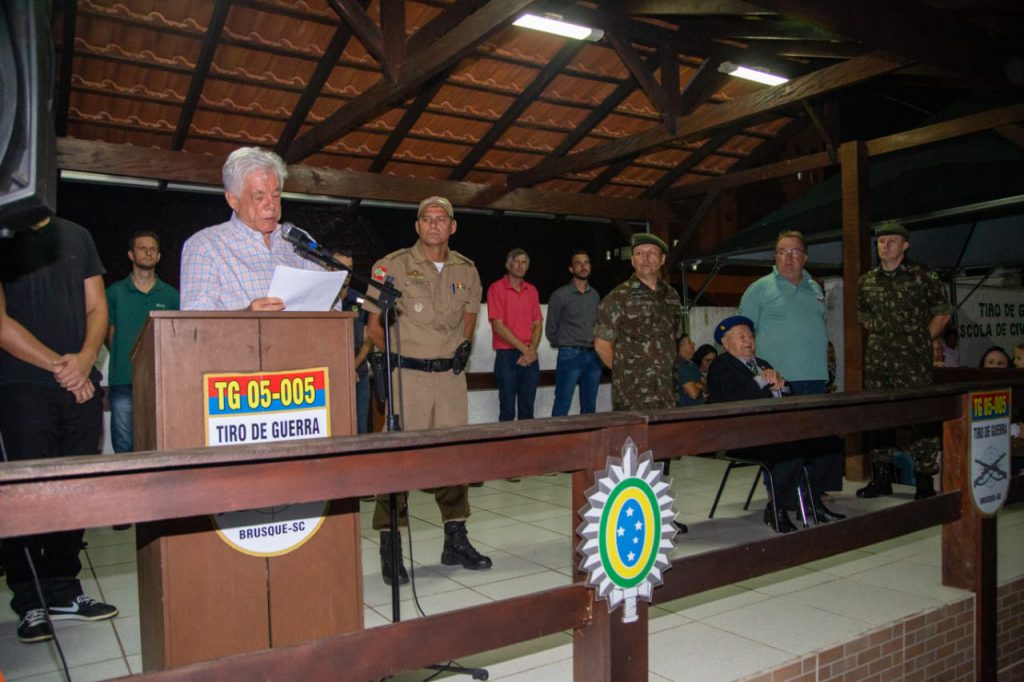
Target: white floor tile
[{"x": 697, "y": 652}]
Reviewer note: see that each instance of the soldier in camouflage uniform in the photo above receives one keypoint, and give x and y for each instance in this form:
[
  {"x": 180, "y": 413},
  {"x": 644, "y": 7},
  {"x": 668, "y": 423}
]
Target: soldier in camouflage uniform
[
  {"x": 637, "y": 327},
  {"x": 903, "y": 306}
]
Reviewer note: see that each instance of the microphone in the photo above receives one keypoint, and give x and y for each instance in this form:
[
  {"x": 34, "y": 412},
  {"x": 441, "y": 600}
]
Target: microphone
[
  {"x": 299, "y": 237},
  {"x": 303, "y": 242}
]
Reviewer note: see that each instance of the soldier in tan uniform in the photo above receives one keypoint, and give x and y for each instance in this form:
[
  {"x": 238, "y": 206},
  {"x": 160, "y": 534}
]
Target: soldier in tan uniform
[{"x": 436, "y": 315}]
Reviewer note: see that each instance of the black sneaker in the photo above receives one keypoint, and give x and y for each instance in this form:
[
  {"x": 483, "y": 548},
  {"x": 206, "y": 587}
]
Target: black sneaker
[
  {"x": 34, "y": 627},
  {"x": 83, "y": 607}
]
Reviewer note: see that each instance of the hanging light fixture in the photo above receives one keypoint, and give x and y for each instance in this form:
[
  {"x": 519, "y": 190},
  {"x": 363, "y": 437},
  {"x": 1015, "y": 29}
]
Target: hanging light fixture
[
  {"x": 553, "y": 23},
  {"x": 747, "y": 73}
]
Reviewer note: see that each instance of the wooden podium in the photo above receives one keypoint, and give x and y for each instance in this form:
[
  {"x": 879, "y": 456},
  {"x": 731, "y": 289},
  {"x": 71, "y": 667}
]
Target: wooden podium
[{"x": 199, "y": 598}]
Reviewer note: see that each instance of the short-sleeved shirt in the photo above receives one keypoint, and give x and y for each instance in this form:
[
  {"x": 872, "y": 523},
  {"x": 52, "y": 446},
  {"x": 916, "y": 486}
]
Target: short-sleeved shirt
[
  {"x": 43, "y": 273},
  {"x": 791, "y": 323},
  {"x": 571, "y": 316},
  {"x": 687, "y": 372},
  {"x": 896, "y": 307},
  {"x": 517, "y": 309},
  {"x": 129, "y": 309},
  {"x": 433, "y": 304},
  {"x": 643, "y": 324},
  {"x": 228, "y": 266}
]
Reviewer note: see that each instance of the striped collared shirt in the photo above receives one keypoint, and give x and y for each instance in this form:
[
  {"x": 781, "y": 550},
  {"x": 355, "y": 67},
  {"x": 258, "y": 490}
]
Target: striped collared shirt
[{"x": 227, "y": 266}]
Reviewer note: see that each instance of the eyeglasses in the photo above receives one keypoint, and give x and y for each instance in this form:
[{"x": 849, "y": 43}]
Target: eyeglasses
[{"x": 789, "y": 252}]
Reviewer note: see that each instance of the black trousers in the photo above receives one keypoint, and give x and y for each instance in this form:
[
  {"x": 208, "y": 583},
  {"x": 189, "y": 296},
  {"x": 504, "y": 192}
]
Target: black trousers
[
  {"x": 39, "y": 422},
  {"x": 786, "y": 461}
]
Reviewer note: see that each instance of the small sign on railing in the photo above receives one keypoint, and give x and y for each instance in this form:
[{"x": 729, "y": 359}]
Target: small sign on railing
[{"x": 990, "y": 449}]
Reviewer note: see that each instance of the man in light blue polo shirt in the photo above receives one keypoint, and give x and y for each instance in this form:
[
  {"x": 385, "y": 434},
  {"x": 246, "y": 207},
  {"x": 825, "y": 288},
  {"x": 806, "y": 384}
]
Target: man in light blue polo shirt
[{"x": 789, "y": 314}]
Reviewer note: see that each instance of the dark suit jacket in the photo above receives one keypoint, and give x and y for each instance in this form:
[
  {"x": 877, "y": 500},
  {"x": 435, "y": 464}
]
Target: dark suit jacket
[{"x": 730, "y": 379}]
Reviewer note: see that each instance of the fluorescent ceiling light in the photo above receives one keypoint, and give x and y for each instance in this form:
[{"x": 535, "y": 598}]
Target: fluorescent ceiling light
[
  {"x": 749, "y": 74},
  {"x": 552, "y": 23}
]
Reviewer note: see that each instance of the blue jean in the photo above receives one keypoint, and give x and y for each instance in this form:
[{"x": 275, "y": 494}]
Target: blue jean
[
  {"x": 363, "y": 404},
  {"x": 120, "y": 398},
  {"x": 517, "y": 385},
  {"x": 576, "y": 367}
]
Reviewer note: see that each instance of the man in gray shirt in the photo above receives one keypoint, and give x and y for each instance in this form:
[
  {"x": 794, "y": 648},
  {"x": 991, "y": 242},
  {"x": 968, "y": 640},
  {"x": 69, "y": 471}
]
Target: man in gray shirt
[{"x": 572, "y": 313}]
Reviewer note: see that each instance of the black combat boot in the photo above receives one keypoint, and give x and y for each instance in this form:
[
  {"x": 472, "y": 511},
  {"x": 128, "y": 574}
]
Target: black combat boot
[
  {"x": 387, "y": 571},
  {"x": 881, "y": 481},
  {"x": 457, "y": 549},
  {"x": 925, "y": 485}
]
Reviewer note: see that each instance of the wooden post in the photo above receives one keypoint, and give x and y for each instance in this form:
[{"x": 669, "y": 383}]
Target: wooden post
[
  {"x": 969, "y": 544},
  {"x": 853, "y": 160},
  {"x": 606, "y": 649}
]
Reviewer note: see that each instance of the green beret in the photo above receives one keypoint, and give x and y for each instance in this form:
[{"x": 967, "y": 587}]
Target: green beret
[
  {"x": 648, "y": 238},
  {"x": 892, "y": 228}
]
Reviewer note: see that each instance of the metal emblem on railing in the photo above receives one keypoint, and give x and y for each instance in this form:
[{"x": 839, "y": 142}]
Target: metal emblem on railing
[{"x": 627, "y": 530}]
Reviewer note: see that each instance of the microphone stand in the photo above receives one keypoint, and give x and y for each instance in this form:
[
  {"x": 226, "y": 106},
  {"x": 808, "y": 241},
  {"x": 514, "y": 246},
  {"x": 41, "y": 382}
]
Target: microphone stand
[{"x": 387, "y": 301}]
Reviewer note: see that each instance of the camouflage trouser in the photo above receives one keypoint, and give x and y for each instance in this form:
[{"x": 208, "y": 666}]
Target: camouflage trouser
[
  {"x": 926, "y": 451},
  {"x": 922, "y": 442}
]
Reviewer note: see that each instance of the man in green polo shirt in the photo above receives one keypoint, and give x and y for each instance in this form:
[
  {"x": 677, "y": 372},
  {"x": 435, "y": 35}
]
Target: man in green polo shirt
[{"x": 129, "y": 301}]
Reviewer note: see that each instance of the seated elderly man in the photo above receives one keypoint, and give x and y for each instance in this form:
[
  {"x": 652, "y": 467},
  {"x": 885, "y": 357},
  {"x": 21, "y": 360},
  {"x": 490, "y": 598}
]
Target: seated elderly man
[{"x": 738, "y": 374}]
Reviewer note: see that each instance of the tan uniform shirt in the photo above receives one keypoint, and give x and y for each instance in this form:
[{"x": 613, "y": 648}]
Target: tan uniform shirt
[{"x": 431, "y": 310}]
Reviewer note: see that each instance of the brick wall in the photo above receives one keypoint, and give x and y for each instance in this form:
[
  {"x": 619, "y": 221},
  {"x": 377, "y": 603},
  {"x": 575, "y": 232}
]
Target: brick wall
[
  {"x": 1010, "y": 631},
  {"x": 938, "y": 645}
]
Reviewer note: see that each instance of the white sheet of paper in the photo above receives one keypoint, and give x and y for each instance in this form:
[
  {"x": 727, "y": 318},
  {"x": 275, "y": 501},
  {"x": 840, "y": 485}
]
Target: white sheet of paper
[{"x": 306, "y": 290}]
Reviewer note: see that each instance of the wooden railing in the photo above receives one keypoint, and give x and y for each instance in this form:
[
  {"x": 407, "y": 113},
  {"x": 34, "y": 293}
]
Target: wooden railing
[{"x": 47, "y": 495}]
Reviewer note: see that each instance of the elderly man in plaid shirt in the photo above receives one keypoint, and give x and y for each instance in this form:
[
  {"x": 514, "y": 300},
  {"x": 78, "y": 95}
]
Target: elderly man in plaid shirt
[{"x": 229, "y": 266}]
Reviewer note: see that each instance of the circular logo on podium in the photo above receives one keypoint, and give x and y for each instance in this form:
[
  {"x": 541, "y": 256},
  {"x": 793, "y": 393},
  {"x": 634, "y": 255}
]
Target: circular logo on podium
[{"x": 270, "y": 531}]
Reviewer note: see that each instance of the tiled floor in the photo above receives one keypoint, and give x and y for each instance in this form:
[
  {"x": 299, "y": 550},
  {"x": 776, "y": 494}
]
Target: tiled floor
[{"x": 724, "y": 634}]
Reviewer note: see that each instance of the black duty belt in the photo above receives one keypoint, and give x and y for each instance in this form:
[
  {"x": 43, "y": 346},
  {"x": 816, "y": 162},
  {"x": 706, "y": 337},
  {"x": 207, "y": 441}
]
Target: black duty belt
[
  {"x": 582, "y": 348},
  {"x": 432, "y": 365}
]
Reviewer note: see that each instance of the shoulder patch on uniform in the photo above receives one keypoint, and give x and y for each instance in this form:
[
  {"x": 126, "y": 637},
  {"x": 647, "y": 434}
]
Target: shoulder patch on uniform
[{"x": 380, "y": 273}]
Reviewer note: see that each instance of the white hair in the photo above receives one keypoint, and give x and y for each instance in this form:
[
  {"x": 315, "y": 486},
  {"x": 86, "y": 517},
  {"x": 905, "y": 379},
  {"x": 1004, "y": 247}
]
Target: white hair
[{"x": 245, "y": 160}]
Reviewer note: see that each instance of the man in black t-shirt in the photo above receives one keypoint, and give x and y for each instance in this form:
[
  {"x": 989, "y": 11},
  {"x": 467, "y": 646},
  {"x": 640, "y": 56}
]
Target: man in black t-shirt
[{"x": 53, "y": 318}]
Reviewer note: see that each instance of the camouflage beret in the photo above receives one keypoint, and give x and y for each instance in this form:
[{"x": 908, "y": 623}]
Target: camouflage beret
[
  {"x": 648, "y": 238},
  {"x": 892, "y": 228}
]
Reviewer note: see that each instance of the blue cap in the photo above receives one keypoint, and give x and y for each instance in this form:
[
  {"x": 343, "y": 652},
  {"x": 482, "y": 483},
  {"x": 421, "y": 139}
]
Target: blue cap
[{"x": 730, "y": 322}]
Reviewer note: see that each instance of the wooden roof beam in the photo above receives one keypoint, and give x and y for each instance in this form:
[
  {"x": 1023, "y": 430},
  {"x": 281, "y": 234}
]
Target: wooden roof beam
[
  {"x": 353, "y": 14},
  {"x": 966, "y": 125},
  {"x": 195, "y": 86},
  {"x": 409, "y": 118},
  {"x": 693, "y": 126},
  {"x": 663, "y": 102},
  {"x": 429, "y": 62},
  {"x": 912, "y": 29},
  {"x": 691, "y": 7},
  {"x": 165, "y": 165},
  {"x": 569, "y": 50},
  {"x": 316, "y": 83},
  {"x": 67, "y": 55}
]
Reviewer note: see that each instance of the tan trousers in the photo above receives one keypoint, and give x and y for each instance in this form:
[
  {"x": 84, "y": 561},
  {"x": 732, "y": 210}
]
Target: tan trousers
[{"x": 429, "y": 400}]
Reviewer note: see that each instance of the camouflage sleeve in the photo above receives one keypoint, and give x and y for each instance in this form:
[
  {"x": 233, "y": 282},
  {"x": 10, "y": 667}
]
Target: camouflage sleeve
[
  {"x": 937, "y": 296},
  {"x": 608, "y": 313},
  {"x": 864, "y": 312}
]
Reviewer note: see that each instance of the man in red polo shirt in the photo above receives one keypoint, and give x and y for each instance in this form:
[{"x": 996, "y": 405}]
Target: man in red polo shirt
[{"x": 513, "y": 307}]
